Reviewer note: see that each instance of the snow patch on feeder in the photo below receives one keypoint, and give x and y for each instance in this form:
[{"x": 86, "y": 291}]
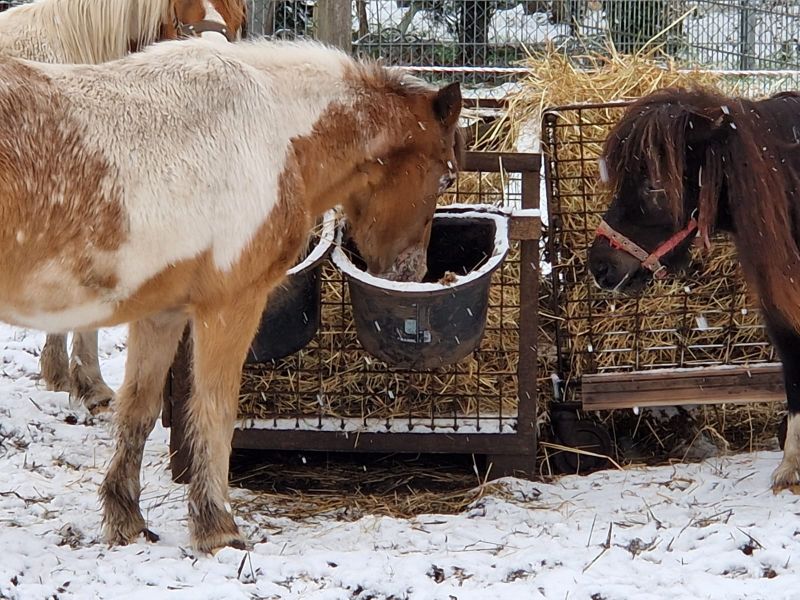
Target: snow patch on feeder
[
  {"x": 326, "y": 239},
  {"x": 501, "y": 247}
]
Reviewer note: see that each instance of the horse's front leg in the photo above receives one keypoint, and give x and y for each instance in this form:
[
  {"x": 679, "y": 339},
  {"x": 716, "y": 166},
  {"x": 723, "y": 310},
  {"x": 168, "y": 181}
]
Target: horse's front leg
[
  {"x": 152, "y": 344},
  {"x": 221, "y": 337},
  {"x": 54, "y": 363},
  {"x": 787, "y": 343},
  {"x": 86, "y": 380}
]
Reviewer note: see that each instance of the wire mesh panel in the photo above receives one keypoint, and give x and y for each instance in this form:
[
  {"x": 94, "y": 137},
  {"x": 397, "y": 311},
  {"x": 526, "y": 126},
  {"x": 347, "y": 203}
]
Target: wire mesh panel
[
  {"x": 281, "y": 19},
  {"x": 334, "y": 384},
  {"x": 723, "y": 34},
  {"x": 705, "y": 318},
  {"x": 719, "y": 34}
]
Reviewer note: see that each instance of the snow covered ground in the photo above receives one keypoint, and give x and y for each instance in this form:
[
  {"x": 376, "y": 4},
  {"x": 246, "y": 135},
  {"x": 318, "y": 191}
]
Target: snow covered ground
[{"x": 711, "y": 530}]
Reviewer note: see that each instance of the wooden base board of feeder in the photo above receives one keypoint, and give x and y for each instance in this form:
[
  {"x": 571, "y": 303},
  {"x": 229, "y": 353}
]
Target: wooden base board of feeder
[{"x": 676, "y": 387}]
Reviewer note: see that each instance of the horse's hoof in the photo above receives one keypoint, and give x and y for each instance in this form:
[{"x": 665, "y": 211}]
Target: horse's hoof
[
  {"x": 120, "y": 538},
  {"x": 59, "y": 385},
  {"x": 150, "y": 536},
  {"x": 215, "y": 543},
  {"x": 786, "y": 476},
  {"x": 96, "y": 400},
  {"x": 237, "y": 544}
]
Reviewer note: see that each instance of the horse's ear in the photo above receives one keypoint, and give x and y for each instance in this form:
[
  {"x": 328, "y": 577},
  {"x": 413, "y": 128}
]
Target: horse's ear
[
  {"x": 712, "y": 126},
  {"x": 447, "y": 104}
]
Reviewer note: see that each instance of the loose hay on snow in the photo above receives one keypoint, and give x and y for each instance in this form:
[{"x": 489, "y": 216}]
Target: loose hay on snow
[{"x": 395, "y": 486}]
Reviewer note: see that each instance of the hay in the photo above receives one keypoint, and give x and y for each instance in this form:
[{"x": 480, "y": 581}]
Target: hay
[
  {"x": 665, "y": 320},
  {"x": 354, "y": 486}
]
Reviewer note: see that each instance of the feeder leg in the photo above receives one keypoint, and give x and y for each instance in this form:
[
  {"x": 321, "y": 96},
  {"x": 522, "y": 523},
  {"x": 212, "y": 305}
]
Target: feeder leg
[
  {"x": 180, "y": 457},
  {"x": 511, "y": 465}
]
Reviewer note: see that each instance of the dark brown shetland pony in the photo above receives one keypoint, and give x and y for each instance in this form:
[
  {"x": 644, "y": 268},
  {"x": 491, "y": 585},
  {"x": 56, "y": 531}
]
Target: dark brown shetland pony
[{"x": 690, "y": 162}]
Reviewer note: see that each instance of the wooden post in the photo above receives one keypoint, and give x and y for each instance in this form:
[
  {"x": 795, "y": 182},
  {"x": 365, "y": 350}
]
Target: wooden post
[
  {"x": 747, "y": 36},
  {"x": 335, "y": 23}
]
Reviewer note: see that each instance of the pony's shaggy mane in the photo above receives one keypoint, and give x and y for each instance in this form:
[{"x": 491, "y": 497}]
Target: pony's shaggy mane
[
  {"x": 97, "y": 31},
  {"x": 749, "y": 156}
]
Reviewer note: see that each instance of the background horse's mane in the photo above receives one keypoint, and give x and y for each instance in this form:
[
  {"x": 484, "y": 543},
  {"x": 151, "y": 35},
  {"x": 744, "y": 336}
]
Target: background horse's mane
[
  {"x": 747, "y": 150},
  {"x": 94, "y": 31}
]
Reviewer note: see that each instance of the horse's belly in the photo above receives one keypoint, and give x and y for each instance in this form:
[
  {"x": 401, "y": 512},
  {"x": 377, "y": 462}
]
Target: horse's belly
[
  {"x": 55, "y": 295},
  {"x": 77, "y": 316}
]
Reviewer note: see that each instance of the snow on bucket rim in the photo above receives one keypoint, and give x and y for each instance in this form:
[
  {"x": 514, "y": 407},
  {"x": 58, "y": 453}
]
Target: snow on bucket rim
[
  {"x": 501, "y": 247},
  {"x": 326, "y": 239}
]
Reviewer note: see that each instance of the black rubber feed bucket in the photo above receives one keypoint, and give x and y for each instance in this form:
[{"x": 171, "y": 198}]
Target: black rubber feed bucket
[
  {"x": 430, "y": 324},
  {"x": 292, "y": 316}
]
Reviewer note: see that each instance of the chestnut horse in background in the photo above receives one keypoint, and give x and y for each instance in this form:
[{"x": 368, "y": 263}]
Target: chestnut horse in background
[
  {"x": 683, "y": 163},
  {"x": 96, "y": 31},
  {"x": 181, "y": 189}
]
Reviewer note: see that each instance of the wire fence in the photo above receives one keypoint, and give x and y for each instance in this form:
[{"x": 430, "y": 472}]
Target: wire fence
[{"x": 719, "y": 34}]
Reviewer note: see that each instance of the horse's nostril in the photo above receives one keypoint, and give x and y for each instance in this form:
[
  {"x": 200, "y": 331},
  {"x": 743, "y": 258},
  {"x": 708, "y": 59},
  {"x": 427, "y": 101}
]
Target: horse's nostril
[{"x": 604, "y": 274}]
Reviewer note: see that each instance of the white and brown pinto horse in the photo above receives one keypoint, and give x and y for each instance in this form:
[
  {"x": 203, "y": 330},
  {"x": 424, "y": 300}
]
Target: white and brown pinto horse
[
  {"x": 96, "y": 31},
  {"x": 178, "y": 185}
]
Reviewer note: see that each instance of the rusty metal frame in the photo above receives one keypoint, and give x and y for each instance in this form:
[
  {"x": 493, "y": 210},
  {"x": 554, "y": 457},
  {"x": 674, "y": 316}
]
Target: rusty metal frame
[{"x": 509, "y": 453}]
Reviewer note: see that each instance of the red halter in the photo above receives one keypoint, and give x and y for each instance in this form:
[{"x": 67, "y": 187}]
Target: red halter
[{"x": 649, "y": 260}]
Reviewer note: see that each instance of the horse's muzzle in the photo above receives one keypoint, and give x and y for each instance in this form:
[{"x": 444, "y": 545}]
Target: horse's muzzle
[
  {"x": 615, "y": 270},
  {"x": 411, "y": 265}
]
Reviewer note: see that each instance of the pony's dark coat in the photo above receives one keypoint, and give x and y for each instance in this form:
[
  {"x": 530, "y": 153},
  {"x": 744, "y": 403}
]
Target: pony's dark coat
[
  {"x": 743, "y": 157},
  {"x": 735, "y": 163}
]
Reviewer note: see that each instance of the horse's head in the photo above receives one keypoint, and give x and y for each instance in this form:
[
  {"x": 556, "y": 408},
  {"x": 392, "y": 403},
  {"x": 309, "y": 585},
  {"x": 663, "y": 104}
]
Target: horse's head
[
  {"x": 391, "y": 212},
  {"x": 659, "y": 164},
  {"x": 194, "y": 18}
]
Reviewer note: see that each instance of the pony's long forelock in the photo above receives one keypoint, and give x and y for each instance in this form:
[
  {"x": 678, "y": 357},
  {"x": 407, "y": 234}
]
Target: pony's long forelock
[
  {"x": 647, "y": 136},
  {"x": 746, "y": 159}
]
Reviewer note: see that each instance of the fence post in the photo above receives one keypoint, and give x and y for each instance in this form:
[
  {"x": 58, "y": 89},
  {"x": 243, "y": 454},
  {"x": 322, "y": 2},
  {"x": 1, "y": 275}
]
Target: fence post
[
  {"x": 747, "y": 36},
  {"x": 335, "y": 23}
]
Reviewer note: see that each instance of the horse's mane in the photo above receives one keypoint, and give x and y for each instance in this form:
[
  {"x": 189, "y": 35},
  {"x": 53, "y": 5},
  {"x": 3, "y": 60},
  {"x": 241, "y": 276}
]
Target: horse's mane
[
  {"x": 748, "y": 150},
  {"x": 95, "y": 31},
  {"x": 238, "y": 11}
]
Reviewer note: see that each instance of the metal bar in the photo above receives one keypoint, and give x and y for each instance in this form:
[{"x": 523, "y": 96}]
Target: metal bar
[
  {"x": 180, "y": 456},
  {"x": 434, "y": 443}
]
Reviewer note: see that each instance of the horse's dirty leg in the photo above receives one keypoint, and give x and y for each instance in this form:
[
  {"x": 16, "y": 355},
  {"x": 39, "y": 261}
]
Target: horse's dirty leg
[
  {"x": 85, "y": 379},
  {"x": 151, "y": 348},
  {"x": 54, "y": 363},
  {"x": 221, "y": 338}
]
